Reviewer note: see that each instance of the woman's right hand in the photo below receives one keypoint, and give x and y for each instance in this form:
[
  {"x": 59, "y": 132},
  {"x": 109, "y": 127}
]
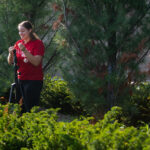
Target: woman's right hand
[
  {"x": 11, "y": 55},
  {"x": 11, "y": 48}
]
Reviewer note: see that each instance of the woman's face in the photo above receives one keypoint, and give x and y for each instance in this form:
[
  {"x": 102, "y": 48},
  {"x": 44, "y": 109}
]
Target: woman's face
[{"x": 24, "y": 33}]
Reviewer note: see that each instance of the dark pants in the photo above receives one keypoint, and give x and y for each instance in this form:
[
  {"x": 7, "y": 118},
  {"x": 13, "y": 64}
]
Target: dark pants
[{"x": 30, "y": 92}]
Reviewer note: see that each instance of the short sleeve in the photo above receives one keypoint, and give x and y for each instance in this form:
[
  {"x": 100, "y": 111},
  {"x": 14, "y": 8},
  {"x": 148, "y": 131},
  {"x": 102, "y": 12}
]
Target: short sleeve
[{"x": 39, "y": 48}]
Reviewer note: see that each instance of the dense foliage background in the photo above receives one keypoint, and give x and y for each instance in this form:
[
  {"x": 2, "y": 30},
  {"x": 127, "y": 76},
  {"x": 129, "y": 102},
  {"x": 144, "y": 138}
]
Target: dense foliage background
[{"x": 104, "y": 43}]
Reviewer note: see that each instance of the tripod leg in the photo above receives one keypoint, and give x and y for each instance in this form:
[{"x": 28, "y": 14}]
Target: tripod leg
[{"x": 13, "y": 85}]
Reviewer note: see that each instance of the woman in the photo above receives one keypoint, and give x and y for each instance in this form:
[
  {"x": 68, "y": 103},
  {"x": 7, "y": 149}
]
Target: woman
[{"x": 29, "y": 53}]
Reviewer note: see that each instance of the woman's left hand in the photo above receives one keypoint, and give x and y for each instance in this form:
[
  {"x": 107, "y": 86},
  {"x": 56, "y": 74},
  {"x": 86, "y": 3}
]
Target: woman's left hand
[{"x": 21, "y": 46}]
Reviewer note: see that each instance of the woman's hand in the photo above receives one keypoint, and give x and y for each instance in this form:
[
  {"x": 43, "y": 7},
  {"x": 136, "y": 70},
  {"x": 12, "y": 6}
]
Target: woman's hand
[
  {"x": 11, "y": 48},
  {"x": 21, "y": 46},
  {"x": 11, "y": 55}
]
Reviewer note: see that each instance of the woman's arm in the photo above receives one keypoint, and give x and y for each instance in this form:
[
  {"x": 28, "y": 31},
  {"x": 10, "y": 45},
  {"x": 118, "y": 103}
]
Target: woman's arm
[{"x": 34, "y": 60}]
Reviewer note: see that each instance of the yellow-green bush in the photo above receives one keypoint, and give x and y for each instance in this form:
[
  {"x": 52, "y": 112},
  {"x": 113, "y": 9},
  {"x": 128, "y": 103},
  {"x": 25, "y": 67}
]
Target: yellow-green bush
[{"x": 40, "y": 130}]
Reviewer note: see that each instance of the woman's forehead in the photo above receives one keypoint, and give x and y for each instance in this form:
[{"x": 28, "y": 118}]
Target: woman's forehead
[{"x": 21, "y": 28}]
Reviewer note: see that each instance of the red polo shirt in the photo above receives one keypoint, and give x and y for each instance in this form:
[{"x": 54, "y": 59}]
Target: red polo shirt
[{"x": 26, "y": 70}]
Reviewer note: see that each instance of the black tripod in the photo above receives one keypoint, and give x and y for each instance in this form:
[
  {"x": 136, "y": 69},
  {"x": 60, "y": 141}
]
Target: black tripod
[{"x": 14, "y": 86}]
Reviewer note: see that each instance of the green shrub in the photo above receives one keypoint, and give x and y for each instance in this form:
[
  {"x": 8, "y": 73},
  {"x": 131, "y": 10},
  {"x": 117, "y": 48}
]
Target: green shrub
[
  {"x": 116, "y": 114},
  {"x": 56, "y": 94},
  {"x": 39, "y": 130},
  {"x": 137, "y": 109}
]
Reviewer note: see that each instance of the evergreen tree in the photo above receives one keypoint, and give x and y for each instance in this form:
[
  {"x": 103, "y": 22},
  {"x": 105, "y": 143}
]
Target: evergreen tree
[{"x": 103, "y": 44}]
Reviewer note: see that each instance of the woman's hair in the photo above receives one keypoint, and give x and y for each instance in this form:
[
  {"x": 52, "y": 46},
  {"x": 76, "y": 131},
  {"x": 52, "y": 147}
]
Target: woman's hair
[{"x": 28, "y": 25}]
